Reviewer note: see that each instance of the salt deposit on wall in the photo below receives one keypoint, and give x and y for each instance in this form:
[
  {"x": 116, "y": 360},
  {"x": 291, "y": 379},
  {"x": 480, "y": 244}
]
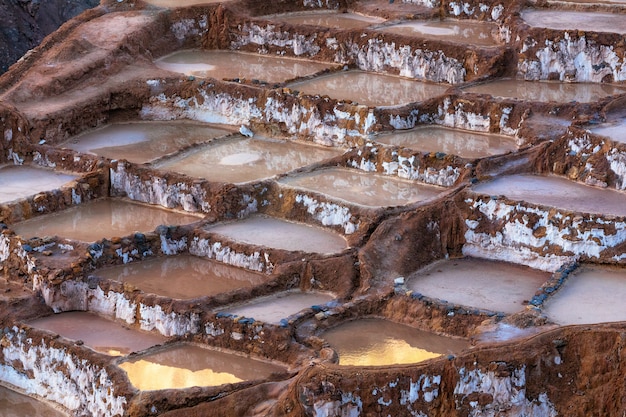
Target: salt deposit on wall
[
  {"x": 58, "y": 376},
  {"x": 296, "y": 117},
  {"x": 572, "y": 59},
  {"x": 531, "y": 235}
]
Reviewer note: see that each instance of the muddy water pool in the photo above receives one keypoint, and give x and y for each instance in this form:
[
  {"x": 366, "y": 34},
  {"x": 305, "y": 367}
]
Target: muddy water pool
[
  {"x": 327, "y": 19},
  {"x": 378, "y": 342},
  {"x": 182, "y": 276},
  {"x": 575, "y": 20},
  {"x": 99, "y": 334},
  {"x": 19, "y": 181},
  {"x": 546, "y": 91},
  {"x": 451, "y": 141},
  {"x": 556, "y": 192},
  {"x": 479, "y": 283},
  {"x": 616, "y": 130},
  {"x": 240, "y": 160},
  {"x": 369, "y": 89},
  {"x": 181, "y": 3},
  {"x": 590, "y": 295},
  {"x": 278, "y": 233},
  {"x": 458, "y": 31},
  {"x": 186, "y": 366},
  {"x": 274, "y": 308},
  {"x": 233, "y": 64},
  {"x": 142, "y": 142},
  {"x": 104, "y": 218},
  {"x": 363, "y": 188},
  {"x": 14, "y": 404}
]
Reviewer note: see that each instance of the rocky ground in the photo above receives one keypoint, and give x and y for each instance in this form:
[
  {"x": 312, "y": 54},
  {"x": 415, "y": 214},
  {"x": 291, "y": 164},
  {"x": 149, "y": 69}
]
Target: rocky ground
[{"x": 24, "y": 24}]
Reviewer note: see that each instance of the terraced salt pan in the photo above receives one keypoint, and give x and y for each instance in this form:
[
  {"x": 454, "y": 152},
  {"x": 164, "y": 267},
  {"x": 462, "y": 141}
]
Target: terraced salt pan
[
  {"x": 556, "y": 192},
  {"x": 363, "y": 188},
  {"x": 378, "y": 342},
  {"x": 233, "y": 64},
  {"x": 546, "y": 91},
  {"x": 239, "y": 160},
  {"x": 19, "y": 181},
  {"x": 142, "y": 142},
  {"x": 457, "y": 31},
  {"x": 575, "y": 20},
  {"x": 182, "y": 276},
  {"x": 281, "y": 234},
  {"x": 274, "y": 308},
  {"x": 369, "y": 89},
  {"x": 105, "y": 218},
  {"x": 615, "y": 130},
  {"x": 590, "y": 295},
  {"x": 327, "y": 19},
  {"x": 186, "y": 366},
  {"x": 451, "y": 141},
  {"x": 14, "y": 404},
  {"x": 479, "y": 283},
  {"x": 97, "y": 333}
]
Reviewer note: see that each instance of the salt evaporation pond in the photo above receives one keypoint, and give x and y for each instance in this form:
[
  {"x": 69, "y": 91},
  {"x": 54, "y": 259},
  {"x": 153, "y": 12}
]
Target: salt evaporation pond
[
  {"x": 186, "y": 366},
  {"x": 462, "y": 143},
  {"x": 457, "y": 31},
  {"x": 240, "y": 160},
  {"x": 556, "y": 192},
  {"x": 363, "y": 188},
  {"x": 591, "y": 294},
  {"x": 182, "y": 276},
  {"x": 98, "y": 219},
  {"x": 142, "y": 142},
  {"x": 233, "y": 64},
  {"x": 19, "y": 181},
  {"x": 181, "y": 3},
  {"x": 327, "y": 19},
  {"x": 575, "y": 20},
  {"x": 369, "y": 89},
  {"x": 275, "y": 307},
  {"x": 379, "y": 342},
  {"x": 97, "y": 333},
  {"x": 480, "y": 283},
  {"x": 281, "y": 234},
  {"x": 616, "y": 130},
  {"x": 546, "y": 91},
  {"x": 14, "y": 404}
]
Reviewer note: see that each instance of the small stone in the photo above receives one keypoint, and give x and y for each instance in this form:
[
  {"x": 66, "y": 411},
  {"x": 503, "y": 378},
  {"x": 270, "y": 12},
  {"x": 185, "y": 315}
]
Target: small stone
[
  {"x": 47, "y": 253},
  {"x": 245, "y": 130},
  {"x": 540, "y": 232},
  {"x": 398, "y": 281},
  {"x": 320, "y": 316}
]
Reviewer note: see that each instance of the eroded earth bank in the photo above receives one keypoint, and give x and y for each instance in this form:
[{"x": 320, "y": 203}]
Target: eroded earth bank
[{"x": 316, "y": 208}]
